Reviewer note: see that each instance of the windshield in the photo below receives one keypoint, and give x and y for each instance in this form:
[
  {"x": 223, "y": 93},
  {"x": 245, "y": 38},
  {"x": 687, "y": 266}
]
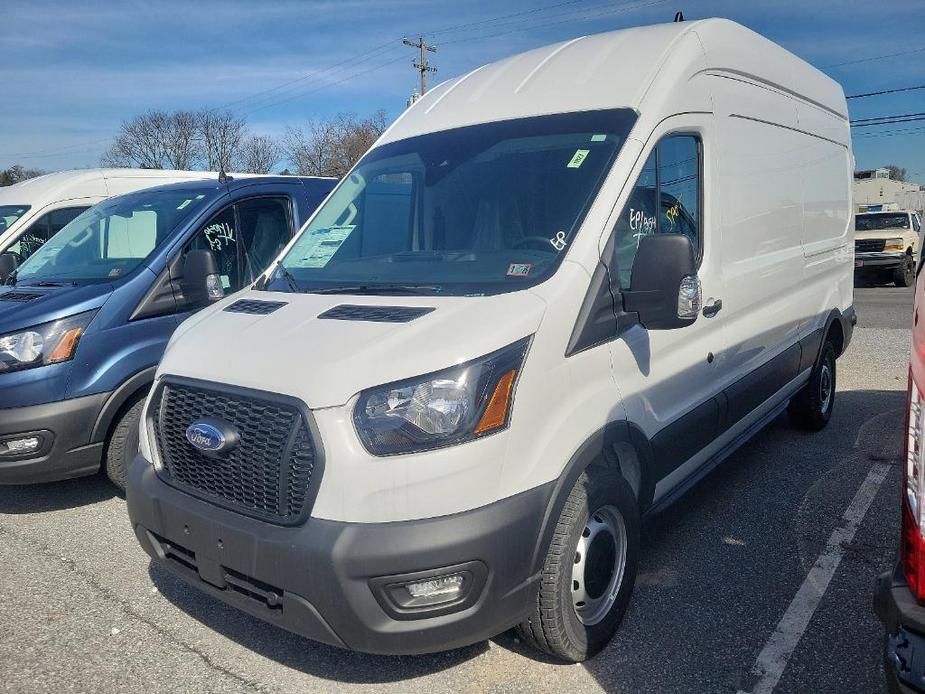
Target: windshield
[
  {"x": 477, "y": 210},
  {"x": 875, "y": 222},
  {"x": 9, "y": 214},
  {"x": 110, "y": 240}
]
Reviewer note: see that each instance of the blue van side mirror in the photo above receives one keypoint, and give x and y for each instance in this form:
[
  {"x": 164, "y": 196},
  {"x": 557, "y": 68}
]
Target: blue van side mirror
[
  {"x": 201, "y": 282},
  {"x": 8, "y": 266}
]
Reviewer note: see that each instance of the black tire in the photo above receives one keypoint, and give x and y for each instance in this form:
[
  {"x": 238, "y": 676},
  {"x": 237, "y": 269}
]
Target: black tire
[
  {"x": 554, "y": 625},
  {"x": 123, "y": 442},
  {"x": 904, "y": 275},
  {"x": 811, "y": 408}
]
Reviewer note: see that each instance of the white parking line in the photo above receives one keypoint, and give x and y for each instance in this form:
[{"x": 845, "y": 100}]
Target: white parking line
[{"x": 776, "y": 653}]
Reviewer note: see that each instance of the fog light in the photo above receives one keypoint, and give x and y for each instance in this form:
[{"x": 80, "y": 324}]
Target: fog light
[
  {"x": 436, "y": 590},
  {"x": 20, "y": 446}
]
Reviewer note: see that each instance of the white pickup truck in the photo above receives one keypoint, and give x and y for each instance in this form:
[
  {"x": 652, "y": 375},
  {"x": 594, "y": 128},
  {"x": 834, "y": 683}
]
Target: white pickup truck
[{"x": 886, "y": 245}]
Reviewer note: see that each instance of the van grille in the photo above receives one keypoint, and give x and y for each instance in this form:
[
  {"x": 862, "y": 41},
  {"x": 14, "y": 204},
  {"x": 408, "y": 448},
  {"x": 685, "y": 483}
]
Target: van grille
[
  {"x": 269, "y": 473},
  {"x": 869, "y": 245}
]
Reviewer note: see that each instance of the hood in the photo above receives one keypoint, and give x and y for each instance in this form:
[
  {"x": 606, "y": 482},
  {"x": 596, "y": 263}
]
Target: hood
[
  {"x": 882, "y": 233},
  {"x": 295, "y": 350},
  {"x": 23, "y": 306}
]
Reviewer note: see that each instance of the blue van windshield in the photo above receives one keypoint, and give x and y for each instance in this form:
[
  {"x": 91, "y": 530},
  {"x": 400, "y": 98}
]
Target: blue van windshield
[
  {"x": 110, "y": 240},
  {"x": 482, "y": 209}
]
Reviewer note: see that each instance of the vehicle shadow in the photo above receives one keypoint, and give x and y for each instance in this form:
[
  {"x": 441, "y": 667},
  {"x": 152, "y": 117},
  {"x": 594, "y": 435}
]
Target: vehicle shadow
[
  {"x": 304, "y": 655},
  {"x": 56, "y": 496},
  {"x": 715, "y": 565}
]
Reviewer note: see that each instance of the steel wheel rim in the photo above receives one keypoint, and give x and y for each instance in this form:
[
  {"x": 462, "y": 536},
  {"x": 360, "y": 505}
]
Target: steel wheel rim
[
  {"x": 599, "y": 564},
  {"x": 825, "y": 387}
]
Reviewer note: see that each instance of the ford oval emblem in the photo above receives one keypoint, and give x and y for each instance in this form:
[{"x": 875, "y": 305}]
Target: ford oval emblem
[{"x": 212, "y": 436}]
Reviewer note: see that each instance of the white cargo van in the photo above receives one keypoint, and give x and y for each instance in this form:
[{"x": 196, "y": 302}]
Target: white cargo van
[
  {"x": 557, "y": 291},
  {"x": 33, "y": 211}
]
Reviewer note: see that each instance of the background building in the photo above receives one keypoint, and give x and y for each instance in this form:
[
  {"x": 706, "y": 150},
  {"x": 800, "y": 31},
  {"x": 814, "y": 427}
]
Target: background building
[{"x": 875, "y": 190}]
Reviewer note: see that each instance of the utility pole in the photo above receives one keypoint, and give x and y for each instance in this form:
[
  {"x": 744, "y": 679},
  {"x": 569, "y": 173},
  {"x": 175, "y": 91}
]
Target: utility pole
[{"x": 422, "y": 66}]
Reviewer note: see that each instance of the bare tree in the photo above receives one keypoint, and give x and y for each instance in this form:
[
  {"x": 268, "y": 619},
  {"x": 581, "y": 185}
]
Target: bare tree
[
  {"x": 222, "y": 136},
  {"x": 17, "y": 173},
  {"x": 332, "y": 146},
  {"x": 896, "y": 173},
  {"x": 258, "y": 154},
  {"x": 156, "y": 140}
]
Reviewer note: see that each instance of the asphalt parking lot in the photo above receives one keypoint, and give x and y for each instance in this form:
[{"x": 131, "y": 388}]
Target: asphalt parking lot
[{"x": 759, "y": 580}]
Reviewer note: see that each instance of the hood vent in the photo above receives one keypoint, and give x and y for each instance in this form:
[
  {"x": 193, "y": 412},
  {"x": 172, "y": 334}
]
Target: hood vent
[
  {"x": 254, "y": 307},
  {"x": 20, "y": 296},
  {"x": 376, "y": 314}
]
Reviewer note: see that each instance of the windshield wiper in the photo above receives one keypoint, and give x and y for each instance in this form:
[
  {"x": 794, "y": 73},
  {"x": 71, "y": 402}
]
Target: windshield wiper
[
  {"x": 378, "y": 289},
  {"x": 290, "y": 278},
  {"x": 50, "y": 283}
]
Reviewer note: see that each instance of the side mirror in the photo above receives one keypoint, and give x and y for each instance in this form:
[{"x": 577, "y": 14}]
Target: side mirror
[
  {"x": 664, "y": 287},
  {"x": 201, "y": 283},
  {"x": 8, "y": 266}
]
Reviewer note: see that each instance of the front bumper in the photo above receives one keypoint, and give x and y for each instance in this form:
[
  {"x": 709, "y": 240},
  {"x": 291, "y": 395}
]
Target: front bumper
[
  {"x": 904, "y": 619},
  {"x": 879, "y": 261},
  {"x": 326, "y": 580},
  {"x": 65, "y": 428}
]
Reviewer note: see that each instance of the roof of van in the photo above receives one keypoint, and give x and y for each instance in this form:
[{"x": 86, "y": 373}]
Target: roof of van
[
  {"x": 62, "y": 185},
  {"x": 237, "y": 181},
  {"x": 613, "y": 70}
]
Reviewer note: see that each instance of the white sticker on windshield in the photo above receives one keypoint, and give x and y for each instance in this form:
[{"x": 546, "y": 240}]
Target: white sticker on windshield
[
  {"x": 578, "y": 158},
  {"x": 322, "y": 244},
  {"x": 598, "y": 138}
]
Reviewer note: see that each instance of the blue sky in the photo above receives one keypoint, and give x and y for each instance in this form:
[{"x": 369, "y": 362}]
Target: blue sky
[{"x": 70, "y": 72}]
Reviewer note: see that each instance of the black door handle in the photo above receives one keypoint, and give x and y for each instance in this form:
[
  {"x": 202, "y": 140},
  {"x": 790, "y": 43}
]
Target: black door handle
[{"x": 712, "y": 308}]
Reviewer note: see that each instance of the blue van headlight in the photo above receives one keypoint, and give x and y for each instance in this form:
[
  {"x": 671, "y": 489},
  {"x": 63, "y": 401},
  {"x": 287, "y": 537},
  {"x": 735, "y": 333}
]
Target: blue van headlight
[
  {"x": 443, "y": 408},
  {"x": 49, "y": 343}
]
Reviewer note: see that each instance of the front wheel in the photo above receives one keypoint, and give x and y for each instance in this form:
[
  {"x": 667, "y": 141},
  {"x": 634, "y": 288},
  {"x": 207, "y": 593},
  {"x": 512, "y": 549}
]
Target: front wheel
[
  {"x": 589, "y": 571},
  {"x": 123, "y": 443},
  {"x": 904, "y": 275},
  {"x": 811, "y": 407}
]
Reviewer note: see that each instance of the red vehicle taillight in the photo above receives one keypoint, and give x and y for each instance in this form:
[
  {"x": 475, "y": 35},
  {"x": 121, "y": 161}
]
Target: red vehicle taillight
[
  {"x": 913, "y": 520},
  {"x": 912, "y": 547}
]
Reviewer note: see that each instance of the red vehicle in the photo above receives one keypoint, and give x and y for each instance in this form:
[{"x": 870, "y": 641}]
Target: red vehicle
[{"x": 900, "y": 595}]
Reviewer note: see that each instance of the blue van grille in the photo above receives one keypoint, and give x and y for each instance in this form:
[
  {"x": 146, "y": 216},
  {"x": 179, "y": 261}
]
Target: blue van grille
[
  {"x": 20, "y": 296},
  {"x": 267, "y": 475}
]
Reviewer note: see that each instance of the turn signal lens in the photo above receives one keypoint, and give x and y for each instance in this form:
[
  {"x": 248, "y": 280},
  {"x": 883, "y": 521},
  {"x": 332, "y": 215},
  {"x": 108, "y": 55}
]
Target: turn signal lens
[
  {"x": 894, "y": 245},
  {"x": 64, "y": 350},
  {"x": 495, "y": 415}
]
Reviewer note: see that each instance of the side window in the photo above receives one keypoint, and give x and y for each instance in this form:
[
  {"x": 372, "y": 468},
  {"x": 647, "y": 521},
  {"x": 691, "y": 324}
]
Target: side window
[
  {"x": 665, "y": 200},
  {"x": 43, "y": 229},
  {"x": 264, "y": 229}
]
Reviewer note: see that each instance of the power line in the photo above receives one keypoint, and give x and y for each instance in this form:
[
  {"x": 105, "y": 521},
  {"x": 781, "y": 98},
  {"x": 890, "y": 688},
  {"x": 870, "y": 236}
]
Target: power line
[
  {"x": 875, "y": 57},
  {"x": 885, "y": 91},
  {"x": 890, "y": 122},
  {"x": 898, "y": 115}
]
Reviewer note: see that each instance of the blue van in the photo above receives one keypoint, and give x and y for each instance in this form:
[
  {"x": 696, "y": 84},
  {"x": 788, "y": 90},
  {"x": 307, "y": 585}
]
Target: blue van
[{"x": 85, "y": 320}]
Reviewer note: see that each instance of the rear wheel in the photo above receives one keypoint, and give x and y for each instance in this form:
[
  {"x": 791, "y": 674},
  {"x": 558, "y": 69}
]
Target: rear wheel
[
  {"x": 590, "y": 569},
  {"x": 812, "y": 406},
  {"x": 123, "y": 442},
  {"x": 904, "y": 275}
]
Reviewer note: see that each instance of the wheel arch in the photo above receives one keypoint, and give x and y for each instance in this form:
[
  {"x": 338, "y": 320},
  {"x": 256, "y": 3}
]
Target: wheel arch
[
  {"x": 621, "y": 445},
  {"x": 129, "y": 388}
]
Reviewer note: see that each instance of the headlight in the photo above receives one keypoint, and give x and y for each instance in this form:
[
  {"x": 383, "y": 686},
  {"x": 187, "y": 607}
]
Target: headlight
[
  {"x": 894, "y": 245},
  {"x": 49, "y": 343},
  {"x": 443, "y": 408}
]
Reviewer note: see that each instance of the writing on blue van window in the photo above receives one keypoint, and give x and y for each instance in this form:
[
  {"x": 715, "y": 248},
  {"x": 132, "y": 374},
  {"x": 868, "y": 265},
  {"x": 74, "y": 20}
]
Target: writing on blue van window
[{"x": 219, "y": 235}]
